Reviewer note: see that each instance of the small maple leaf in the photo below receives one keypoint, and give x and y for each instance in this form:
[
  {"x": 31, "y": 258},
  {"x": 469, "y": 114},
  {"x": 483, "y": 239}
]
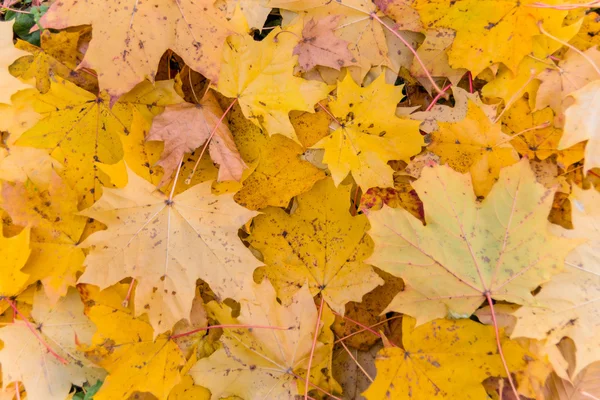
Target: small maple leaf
[
  {"x": 184, "y": 127},
  {"x": 320, "y": 45},
  {"x": 368, "y": 133},
  {"x": 166, "y": 245},
  {"x": 467, "y": 251},
  {"x": 260, "y": 76}
]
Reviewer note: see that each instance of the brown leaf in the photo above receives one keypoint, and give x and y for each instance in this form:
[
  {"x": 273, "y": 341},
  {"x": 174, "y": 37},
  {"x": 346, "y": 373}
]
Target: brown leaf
[
  {"x": 184, "y": 127},
  {"x": 320, "y": 45}
]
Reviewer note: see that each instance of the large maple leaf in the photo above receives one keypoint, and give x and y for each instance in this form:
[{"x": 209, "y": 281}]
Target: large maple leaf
[
  {"x": 368, "y": 133},
  {"x": 500, "y": 248},
  {"x": 166, "y": 245},
  {"x": 25, "y": 358},
  {"x": 320, "y": 242},
  {"x": 129, "y": 39},
  {"x": 434, "y": 358},
  {"x": 569, "y": 304},
  {"x": 488, "y": 31},
  {"x": 259, "y": 363}
]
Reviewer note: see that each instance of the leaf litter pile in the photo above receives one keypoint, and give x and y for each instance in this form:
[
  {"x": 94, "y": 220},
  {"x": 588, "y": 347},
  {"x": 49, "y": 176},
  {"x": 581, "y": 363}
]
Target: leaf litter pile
[{"x": 300, "y": 199}]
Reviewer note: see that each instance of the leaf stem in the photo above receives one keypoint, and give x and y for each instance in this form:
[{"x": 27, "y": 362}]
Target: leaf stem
[
  {"x": 329, "y": 113},
  {"x": 356, "y": 361},
  {"x": 412, "y": 50},
  {"x": 188, "y": 180},
  {"x": 504, "y": 363},
  {"x": 175, "y": 180},
  {"x": 533, "y": 128},
  {"x": 367, "y": 328},
  {"x": 470, "y": 77},
  {"x": 315, "y": 386},
  {"x": 314, "y": 344},
  {"x": 436, "y": 98},
  {"x": 230, "y": 326},
  {"x": 132, "y": 284},
  {"x": 35, "y": 333}
]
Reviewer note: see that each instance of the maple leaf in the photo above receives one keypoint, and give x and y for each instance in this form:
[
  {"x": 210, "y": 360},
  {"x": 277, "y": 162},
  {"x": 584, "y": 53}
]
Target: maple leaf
[
  {"x": 185, "y": 126},
  {"x": 128, "y": 42},
  {"x": 475, "y": 145},
  {"x": 14, "y": 252},
  {"x": 320, "y": 243},
  {"x": 166, "y": 245},
  {"x": 25, "y": 358},
  {"x": 262, "y": 363},
  {"x": 9, "y": 85},
  {"x": 467, "y": 251},
  {"x": 126, "y": 348},
  {"x": 259, "y": 75},
  {"x": 278, "y": 172},
  {"x": 368, "y": 133},
  {"x": 573, "y": 72},
  {"x": 320, "y": 45},
  {"x": 568, "y": 304},
  {"x": 533, "y": 139},
  {"x": 427, "y": 364},
  {"x": 585, "y": 384},
  {"x": 55, "y": 231},
  {"x": 581, "y": 123},
  {"x": 58, "y": 56},
  {"x": 83, "y": 131},
  {"x": 488, "y": 31}
]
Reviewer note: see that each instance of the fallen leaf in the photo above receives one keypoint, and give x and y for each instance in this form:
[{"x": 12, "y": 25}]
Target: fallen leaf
[
  {"x": 368, "y": 134},
  {"x": 14, "y": 252},
  {"x": 127, "y": 44},
  {"x": 468, "y": 249},
  {"x": 184, "y": 127},
  {"x": 320, "y": 45},
  {"x": 166, "y": 245}
]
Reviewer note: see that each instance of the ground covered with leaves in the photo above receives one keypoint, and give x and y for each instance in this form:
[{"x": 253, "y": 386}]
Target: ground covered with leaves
[{"x": 300, "y": 199}]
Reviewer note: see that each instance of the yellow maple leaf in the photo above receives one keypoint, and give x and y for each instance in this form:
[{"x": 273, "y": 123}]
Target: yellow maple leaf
[
  {"x": 501, "y": 247},
  {"x": 55, "y": 232},
  {"x": 58, "y": 55},
  {"x": 320, "y": 243},
  {"x": 166, "y": 245},
  {"x": 475, "y": 145},
  {"x": 263, "y": 362},
  {"x": 568, "y": 305},
  {"x": 489, "y": 31},
  {"x": 368, "y": 133},
  {"x": 14, "y": 252},
  {"x": 533, "y": 139},
  {"x": 125, "y": 346},
  {"x": 260, "y": 77},
  {"x": 277, "y": 173},
  {"x": 9, "y": 85},
  {"x": 83, "y": 131},
  {"x": 26, "y": 359},
  {"x": 445, "y": 359},
  {"x": 128, "y": 43}
]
